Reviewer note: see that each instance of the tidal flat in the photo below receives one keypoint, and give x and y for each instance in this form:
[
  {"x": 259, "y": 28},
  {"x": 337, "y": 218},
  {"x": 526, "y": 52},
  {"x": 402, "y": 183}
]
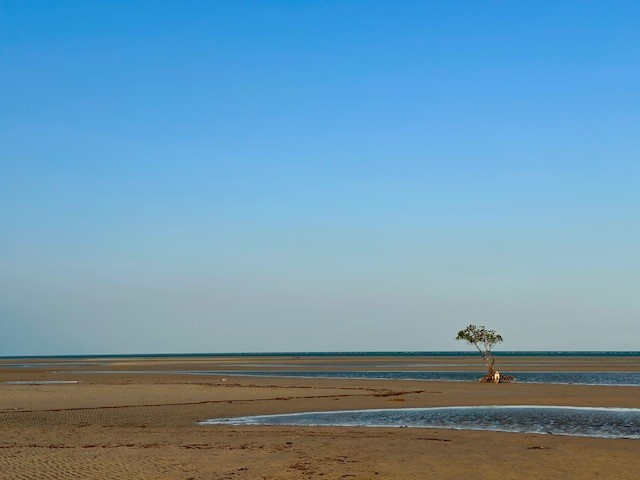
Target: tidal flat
[{"x": 120, "y": 421}]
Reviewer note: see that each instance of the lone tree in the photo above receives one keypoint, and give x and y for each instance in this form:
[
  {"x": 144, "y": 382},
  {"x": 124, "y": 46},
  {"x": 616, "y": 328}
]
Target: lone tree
[{"x": 484, "y": 340}]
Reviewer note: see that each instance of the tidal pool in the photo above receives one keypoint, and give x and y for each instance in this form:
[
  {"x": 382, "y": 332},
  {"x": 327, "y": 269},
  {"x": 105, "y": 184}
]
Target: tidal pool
[{"x": 574, "y": 421}]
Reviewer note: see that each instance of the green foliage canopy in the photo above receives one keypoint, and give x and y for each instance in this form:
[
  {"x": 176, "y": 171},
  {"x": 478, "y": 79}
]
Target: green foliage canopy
[{"x": 481, "y": 338}]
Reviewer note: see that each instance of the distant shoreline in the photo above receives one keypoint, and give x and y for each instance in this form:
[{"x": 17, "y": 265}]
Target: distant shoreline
[{"x": 510, "y": 353}]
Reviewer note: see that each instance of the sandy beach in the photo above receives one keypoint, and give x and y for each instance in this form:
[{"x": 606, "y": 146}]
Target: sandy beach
[{"x": 129, "y": 424}]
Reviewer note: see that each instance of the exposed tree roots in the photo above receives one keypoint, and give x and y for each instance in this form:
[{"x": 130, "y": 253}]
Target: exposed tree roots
[{"x": 493, "y": 376}]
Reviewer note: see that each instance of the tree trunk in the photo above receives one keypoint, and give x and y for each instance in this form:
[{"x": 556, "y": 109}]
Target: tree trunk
[{"x": 493, "y": 376}]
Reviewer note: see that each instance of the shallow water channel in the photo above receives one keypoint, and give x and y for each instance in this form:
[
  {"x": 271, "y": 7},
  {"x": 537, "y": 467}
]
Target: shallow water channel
[
  {"x": 574, "y": 421},
  {"x": 630, "y": 379}
]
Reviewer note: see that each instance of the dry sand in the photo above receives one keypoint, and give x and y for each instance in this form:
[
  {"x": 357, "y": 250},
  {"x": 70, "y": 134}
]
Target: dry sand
[{"x": 142, "y": 426}]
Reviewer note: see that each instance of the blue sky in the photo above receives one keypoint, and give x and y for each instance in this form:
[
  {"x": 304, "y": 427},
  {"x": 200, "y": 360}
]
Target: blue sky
[{"x": 290, "y": 176}]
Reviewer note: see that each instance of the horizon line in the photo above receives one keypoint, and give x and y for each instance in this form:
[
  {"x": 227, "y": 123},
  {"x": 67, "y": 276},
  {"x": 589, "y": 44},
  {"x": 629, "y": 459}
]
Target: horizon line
[{"x": 326, "y": 353}]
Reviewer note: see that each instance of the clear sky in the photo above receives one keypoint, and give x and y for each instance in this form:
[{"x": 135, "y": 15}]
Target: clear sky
[{"x": 334, "y": 175}]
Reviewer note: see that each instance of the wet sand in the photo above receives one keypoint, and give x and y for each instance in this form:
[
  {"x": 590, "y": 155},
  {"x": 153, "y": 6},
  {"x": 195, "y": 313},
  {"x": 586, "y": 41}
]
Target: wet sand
[{"x": 131, "y": 425}]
